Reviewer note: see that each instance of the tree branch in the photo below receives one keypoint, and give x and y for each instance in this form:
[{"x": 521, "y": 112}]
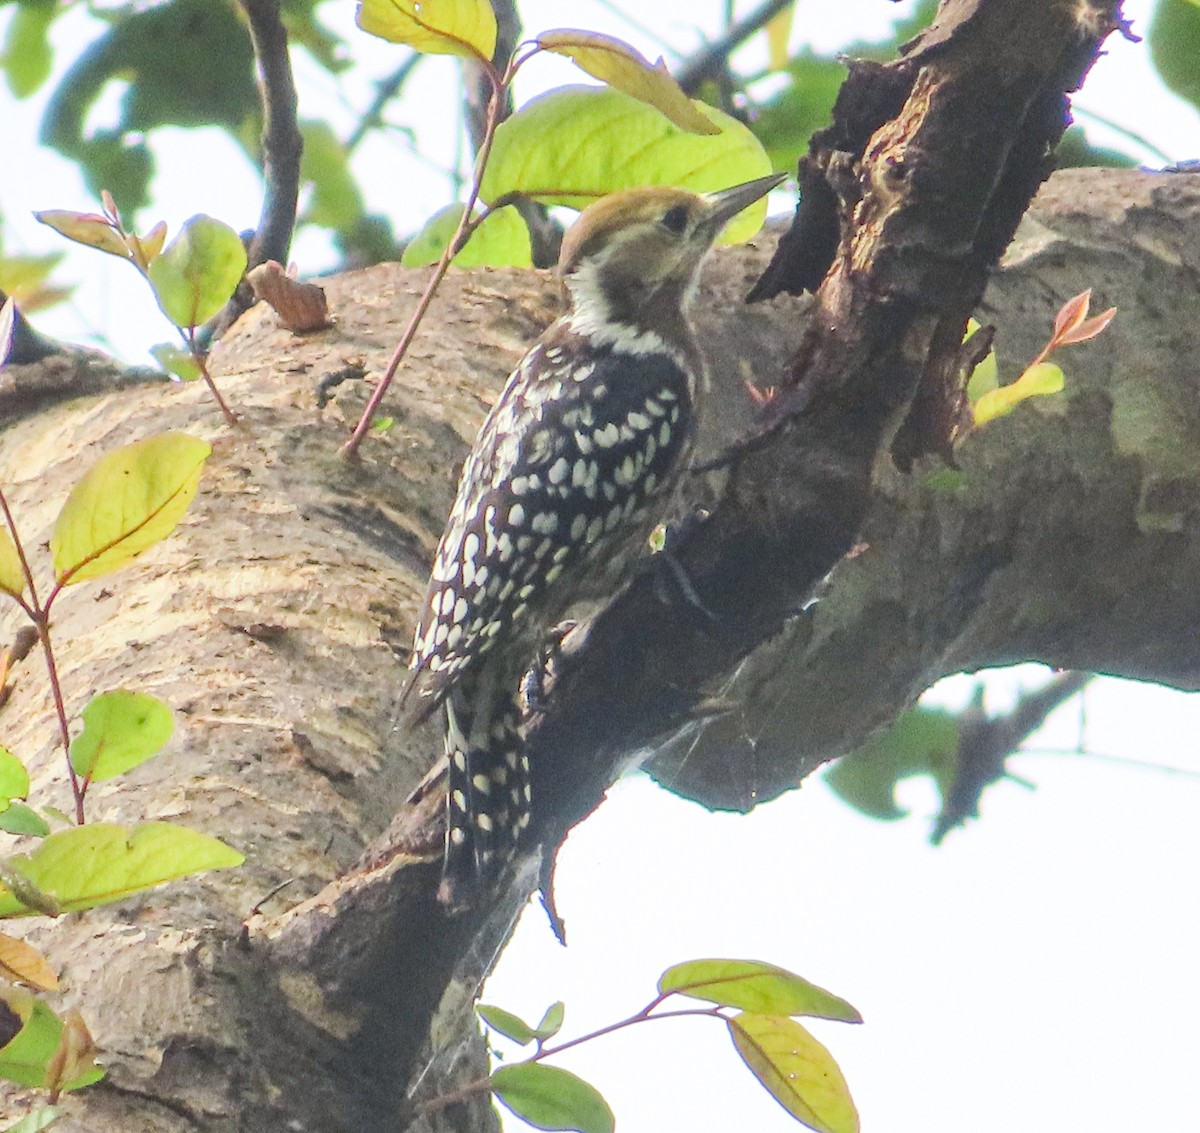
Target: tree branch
[
  {"x": 282, "y": 146},
  {"x": 28, "y": 345},
  {"x": 713, "y": 57},
  {"x": 984, "y": 745}
]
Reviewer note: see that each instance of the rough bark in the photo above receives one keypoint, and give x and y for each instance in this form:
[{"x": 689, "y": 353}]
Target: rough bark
[{"x": 277, "y": 621}]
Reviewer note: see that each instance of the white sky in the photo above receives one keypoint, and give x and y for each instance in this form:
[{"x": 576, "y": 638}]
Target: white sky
[{"x": 1037, "y": 973}]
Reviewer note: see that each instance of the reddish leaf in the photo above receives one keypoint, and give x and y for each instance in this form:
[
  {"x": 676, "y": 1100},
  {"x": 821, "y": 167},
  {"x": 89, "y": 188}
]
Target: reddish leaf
[
  {"x": 1072, "y": 313},
  {"x": 1088, "y": 329},
  {"x": 87, "y": 228}
]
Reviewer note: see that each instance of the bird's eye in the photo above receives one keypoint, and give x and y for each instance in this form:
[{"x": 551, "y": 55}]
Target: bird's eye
[{"x": 675, "y": 219}]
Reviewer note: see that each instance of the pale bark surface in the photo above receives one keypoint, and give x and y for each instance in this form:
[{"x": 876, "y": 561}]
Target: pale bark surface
[{"x": 277, "y": 620}]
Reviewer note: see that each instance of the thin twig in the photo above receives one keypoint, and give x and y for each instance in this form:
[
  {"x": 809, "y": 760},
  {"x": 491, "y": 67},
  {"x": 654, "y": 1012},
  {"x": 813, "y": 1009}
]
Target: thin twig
[
  {"x": 713, "y": 56},
  {"x": 281, "y": 146},
  {"x": 466, "y": 224},
  {"x": 385, "y": 90},
  {"x": 40, "y": 616},
  {"x": 642, "y": 29},
  {"x": 645, "y": 1015},
  {"x": 200, "y": 357}
]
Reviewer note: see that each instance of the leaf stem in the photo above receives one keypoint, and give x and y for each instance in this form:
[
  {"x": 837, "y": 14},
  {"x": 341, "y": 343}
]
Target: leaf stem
[
  {"x": 482, "y": 1085},
  {"x": 466, "y": 225},
  {"x": 39, "y": 615},
  {"x": 200, "y": 357},
  {"x": 78, "y": 790},
  {"x": 642, "y": 1016}
]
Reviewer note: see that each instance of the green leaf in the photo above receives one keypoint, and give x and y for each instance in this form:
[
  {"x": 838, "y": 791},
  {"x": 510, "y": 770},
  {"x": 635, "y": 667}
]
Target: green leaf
[
  {"x": 798, "y": 1071},
  {"x": 23, "y": 278},
  {"x": 127, "y": 502},
  {"x": 552, "y": 1021},
  {"x": 120, "y": 730},
  {"x": 12, "y": 577},
  {"x": 502, "y": 240},
  {"x": 1038, "y": 381},
  {"x": 548, "y": 1097},
  {"x": 304, "y": 30},
  {"x": 175, "y": 360},
  {"x": 37, "y": 1121},
  {"x": 336, "y": 201},
  {"x": 506, "y": 1023},
  {"x": 101, "y": 863},
  {"x": 1175, "y": 46},
  {"x": 921, "y": 741},
  {"x": 986, "y": 376},
  {"x": 27, "y": 56},
  {"x": 198, "y": 271},
  {"x": 948, "y": 480},
  {"x": 143, "y": 54},
  {"x": 17, "y": 818},
  {"x": 26, "y": 1059},
  {"x": 779, "y": 31},
  {"x": 577, "y": 144},
  {"x": 754, "y": 986},
  {"x": 14, "y": 779},
  {"x": 436, "y": 27},
  {"x": 785, "y": 122},
  {"x": 614, "y": 62},
  {"x": 1075, "y": 149}
]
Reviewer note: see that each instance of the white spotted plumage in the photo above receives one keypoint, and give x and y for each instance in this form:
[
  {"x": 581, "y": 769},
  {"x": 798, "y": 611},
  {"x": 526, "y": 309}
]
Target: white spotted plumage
[{"x": 572, "y": 469}]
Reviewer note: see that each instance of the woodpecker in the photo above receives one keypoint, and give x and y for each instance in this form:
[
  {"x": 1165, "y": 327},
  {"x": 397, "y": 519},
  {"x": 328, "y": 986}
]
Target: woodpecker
[{"x": 572, "y": 470}]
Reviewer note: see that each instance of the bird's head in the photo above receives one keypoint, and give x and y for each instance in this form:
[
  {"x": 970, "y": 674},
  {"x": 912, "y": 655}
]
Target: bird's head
[{"x": 633, "y": 257}]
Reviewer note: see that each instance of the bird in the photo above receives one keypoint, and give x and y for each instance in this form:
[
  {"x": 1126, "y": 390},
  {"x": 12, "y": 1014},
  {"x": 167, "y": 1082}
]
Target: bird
[{"x": 574, "y": 467}]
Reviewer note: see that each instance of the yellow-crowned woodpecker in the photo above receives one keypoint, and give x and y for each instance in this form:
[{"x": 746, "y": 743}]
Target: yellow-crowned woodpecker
[{"x": 573, "y": 468}]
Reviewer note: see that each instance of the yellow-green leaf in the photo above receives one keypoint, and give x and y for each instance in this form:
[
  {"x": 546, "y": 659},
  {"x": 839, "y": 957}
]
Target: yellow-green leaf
[
  {"x": 100, "y": 863},
  {"x": 120, "y": 730},
  {"x": 986, "y": 376},
  {"x": 14, "y": 779},
  {"x": 779, "y": 31},
  {"x": 505, "y": 1023},
  {"x": 17, "y": 818},
  {"x": 1038, "y": 381},
  {"x": 175, "y": 360},
  {"x": 614, "y": 62},
  {"x": 88, "y": 228},
  {"x": 27, "y": 1058},
  {"x": 197, "y": 272},
  {"x": 23, "y": 279},
  {"x": 12, "y": 577},
  {"x": 436, "y": 27},
  {"x": 552, "y": 1021},
  {"x": 577, "y": 144},
  {"x": 27, "y": 56},
  {"x": 754, "y": 986},
  {"x": 798, "y": 1071},
  {"x": 127, "y": 502},
  {"x": 548, "y": 1097},
  {"x": 502, "y": 240}
]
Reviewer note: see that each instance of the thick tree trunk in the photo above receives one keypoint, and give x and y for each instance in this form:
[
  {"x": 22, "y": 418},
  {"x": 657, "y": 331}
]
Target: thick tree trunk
[{"x": 277, "y": 620}]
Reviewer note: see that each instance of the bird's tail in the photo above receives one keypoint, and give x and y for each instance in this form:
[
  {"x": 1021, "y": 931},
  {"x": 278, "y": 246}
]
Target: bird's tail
[{"x": 488, "y": 794}]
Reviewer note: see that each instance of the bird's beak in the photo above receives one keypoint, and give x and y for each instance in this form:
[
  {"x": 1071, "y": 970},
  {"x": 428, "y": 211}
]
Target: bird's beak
[{"x": 727, "y": 203}]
